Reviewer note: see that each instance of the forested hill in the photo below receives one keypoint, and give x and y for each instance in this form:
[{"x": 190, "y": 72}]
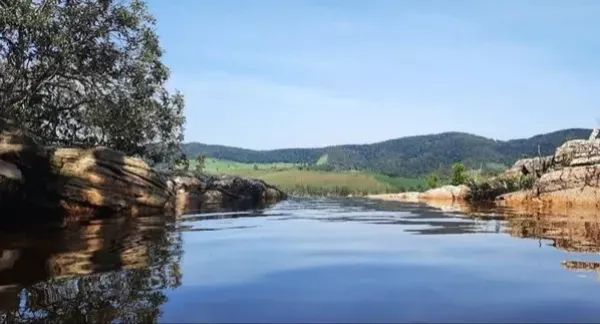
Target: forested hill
[{"x": 406, "y": 156}]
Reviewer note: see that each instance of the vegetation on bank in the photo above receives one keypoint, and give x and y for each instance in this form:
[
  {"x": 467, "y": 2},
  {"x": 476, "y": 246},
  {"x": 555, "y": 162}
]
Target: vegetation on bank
[
  {"x": 89, "y": 73},
  {"x": 491, "y": 188}
]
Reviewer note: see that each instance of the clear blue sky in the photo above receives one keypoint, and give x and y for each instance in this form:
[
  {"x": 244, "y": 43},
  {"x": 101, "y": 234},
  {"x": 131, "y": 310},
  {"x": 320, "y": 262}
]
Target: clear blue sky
[{"x": 286, "y": 73}]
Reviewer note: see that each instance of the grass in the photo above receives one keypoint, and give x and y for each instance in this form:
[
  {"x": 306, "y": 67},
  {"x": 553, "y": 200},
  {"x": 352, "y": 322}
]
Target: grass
[
  {"x": 231, "y": 167},
  {"x": 296, "y": 180},
  {"x": 402, "y": 184},
  {"x": 323, "y": 183}
]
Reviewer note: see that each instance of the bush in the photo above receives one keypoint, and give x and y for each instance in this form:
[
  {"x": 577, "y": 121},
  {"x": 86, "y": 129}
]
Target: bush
[
  {"x": 527, "y": 181},
  {"x": 432, "y": 180},
  {"x": 459, "y": 174},
  {"x": 490, "y": 189}
]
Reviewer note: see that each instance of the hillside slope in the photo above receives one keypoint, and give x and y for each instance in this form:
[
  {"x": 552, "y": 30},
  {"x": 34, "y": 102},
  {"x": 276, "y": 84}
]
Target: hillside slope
[{"x": 406, "y": 156}]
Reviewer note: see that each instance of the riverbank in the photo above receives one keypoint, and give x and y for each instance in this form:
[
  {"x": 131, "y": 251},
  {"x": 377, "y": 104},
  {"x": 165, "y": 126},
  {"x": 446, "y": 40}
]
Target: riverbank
[
  {"x": 569, "y": 178},
  {"x": 60, "y": 184}
]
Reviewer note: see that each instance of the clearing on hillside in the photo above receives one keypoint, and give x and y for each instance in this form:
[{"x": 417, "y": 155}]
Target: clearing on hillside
[{"x": 324, "y": 159}]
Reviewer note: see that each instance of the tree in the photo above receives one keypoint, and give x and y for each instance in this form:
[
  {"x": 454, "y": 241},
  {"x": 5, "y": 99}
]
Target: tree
[
  {"x": 200, "y": 162},
  {"x": 86, "y": 73},
  {"x": 432, "y": 180},
  {"x": 459, "y": 174}
]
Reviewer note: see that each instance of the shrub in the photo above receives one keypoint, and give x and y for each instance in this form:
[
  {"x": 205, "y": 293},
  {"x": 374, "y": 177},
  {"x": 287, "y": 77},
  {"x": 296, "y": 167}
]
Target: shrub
[
  {"x": 491, "y": 188},
  {"x": 432, "y": 180},
  {"x": 459, "y": 174}
]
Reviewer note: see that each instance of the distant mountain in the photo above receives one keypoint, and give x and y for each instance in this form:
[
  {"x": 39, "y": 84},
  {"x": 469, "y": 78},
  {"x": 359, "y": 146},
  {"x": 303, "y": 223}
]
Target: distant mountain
[{"x": 406, "y": 156}]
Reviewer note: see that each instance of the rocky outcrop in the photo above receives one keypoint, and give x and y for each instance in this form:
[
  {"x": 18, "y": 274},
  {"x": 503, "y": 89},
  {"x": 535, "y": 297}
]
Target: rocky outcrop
[
  {"x": 59, "y": 184},
  {"x": 571, "y": 178},
  {"x": 577, "y": 153},
  {"x": 444, "y": 193},
  {"x": 102, "y": 179},
  {"x": 203, "y": 192},
  {"x": 535, "y": 166},
  {"x": 75, "y": 183}
]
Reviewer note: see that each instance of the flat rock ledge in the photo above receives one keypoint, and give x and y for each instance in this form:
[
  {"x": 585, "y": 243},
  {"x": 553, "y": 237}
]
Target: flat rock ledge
[
  {"x": 444, "y": 193},
  {"x": 40, "y": 183}
]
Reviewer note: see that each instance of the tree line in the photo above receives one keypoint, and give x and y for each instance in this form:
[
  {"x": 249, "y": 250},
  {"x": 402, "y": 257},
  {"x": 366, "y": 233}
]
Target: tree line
[{"x": 414, "y": 156}]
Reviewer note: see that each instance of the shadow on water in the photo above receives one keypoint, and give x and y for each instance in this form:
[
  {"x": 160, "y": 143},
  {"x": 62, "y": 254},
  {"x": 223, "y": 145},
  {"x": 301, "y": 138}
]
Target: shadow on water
[{"x": 108, "y": 270}]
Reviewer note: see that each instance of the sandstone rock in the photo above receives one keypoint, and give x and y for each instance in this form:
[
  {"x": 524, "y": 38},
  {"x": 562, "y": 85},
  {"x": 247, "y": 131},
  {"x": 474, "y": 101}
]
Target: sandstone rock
[
  {"x": 11, "y": 181},
  {"x": 577, "y": 153},
  {"x": 403, "y": 196},
  {"x": 536, "y": 166},
  {"x": 572, "y": 179},
  {"x": 446, "y": 193},
  {"x": 101, "y": 179},
  {"x": 54, "y": 184},
  {"x": 574, "y": 197},
  {"x": 576, "y": 177},
  {"x": 74, "y": 183},
  {"x": 519, "y": 198},
  {"x": 205, "y": 193}
]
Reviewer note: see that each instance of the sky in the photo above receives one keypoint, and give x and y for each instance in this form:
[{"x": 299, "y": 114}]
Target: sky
[{"x": 265, "y": 74}]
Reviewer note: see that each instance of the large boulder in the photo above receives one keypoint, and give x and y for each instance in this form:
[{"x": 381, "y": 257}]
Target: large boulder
[
  {"x": 104, "y": 180},
  {"x": 202, "y": 192},
  {"x": 37, "y": 182}
]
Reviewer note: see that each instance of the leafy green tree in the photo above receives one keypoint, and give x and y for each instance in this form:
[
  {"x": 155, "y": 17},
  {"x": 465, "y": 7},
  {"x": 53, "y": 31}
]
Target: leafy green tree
[
  {"x": 459, "y": 174},
  {"x": 432, "y": 180},
  {"x": 200, "y": 162},
  {"x": 86, "y": 73}
]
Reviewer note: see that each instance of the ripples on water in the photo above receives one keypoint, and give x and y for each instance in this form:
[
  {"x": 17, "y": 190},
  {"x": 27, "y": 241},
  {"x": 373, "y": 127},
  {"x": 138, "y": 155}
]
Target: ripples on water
[{"x": 309, "y": 260}]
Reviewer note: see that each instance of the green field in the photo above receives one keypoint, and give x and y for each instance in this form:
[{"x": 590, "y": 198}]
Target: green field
[{"x": 298, "y": 180}]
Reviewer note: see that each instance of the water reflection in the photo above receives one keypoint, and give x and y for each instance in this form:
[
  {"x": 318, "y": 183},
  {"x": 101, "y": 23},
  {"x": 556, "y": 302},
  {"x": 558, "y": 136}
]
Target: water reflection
[
  {"x": 569, "y": 229},
  {"x": 121, "y": 270},
  {"x": 102, "y": 272},
  {"x": 574, "y": 230}
]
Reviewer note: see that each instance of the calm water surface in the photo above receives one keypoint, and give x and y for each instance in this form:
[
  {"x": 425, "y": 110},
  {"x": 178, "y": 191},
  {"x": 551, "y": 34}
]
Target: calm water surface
[{"x": 307, "y": 260}]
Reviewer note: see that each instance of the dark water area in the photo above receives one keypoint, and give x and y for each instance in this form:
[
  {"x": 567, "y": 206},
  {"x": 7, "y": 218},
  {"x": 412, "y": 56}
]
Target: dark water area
[{"x": 308, "y": 260}]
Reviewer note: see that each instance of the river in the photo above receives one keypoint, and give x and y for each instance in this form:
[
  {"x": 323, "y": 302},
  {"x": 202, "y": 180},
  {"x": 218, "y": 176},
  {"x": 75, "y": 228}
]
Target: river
[{"x": 307, "y": 260}]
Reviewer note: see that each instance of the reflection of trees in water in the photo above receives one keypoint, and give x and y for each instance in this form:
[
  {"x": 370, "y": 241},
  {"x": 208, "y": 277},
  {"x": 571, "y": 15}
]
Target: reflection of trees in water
[{"x": 140, "y": 262}]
